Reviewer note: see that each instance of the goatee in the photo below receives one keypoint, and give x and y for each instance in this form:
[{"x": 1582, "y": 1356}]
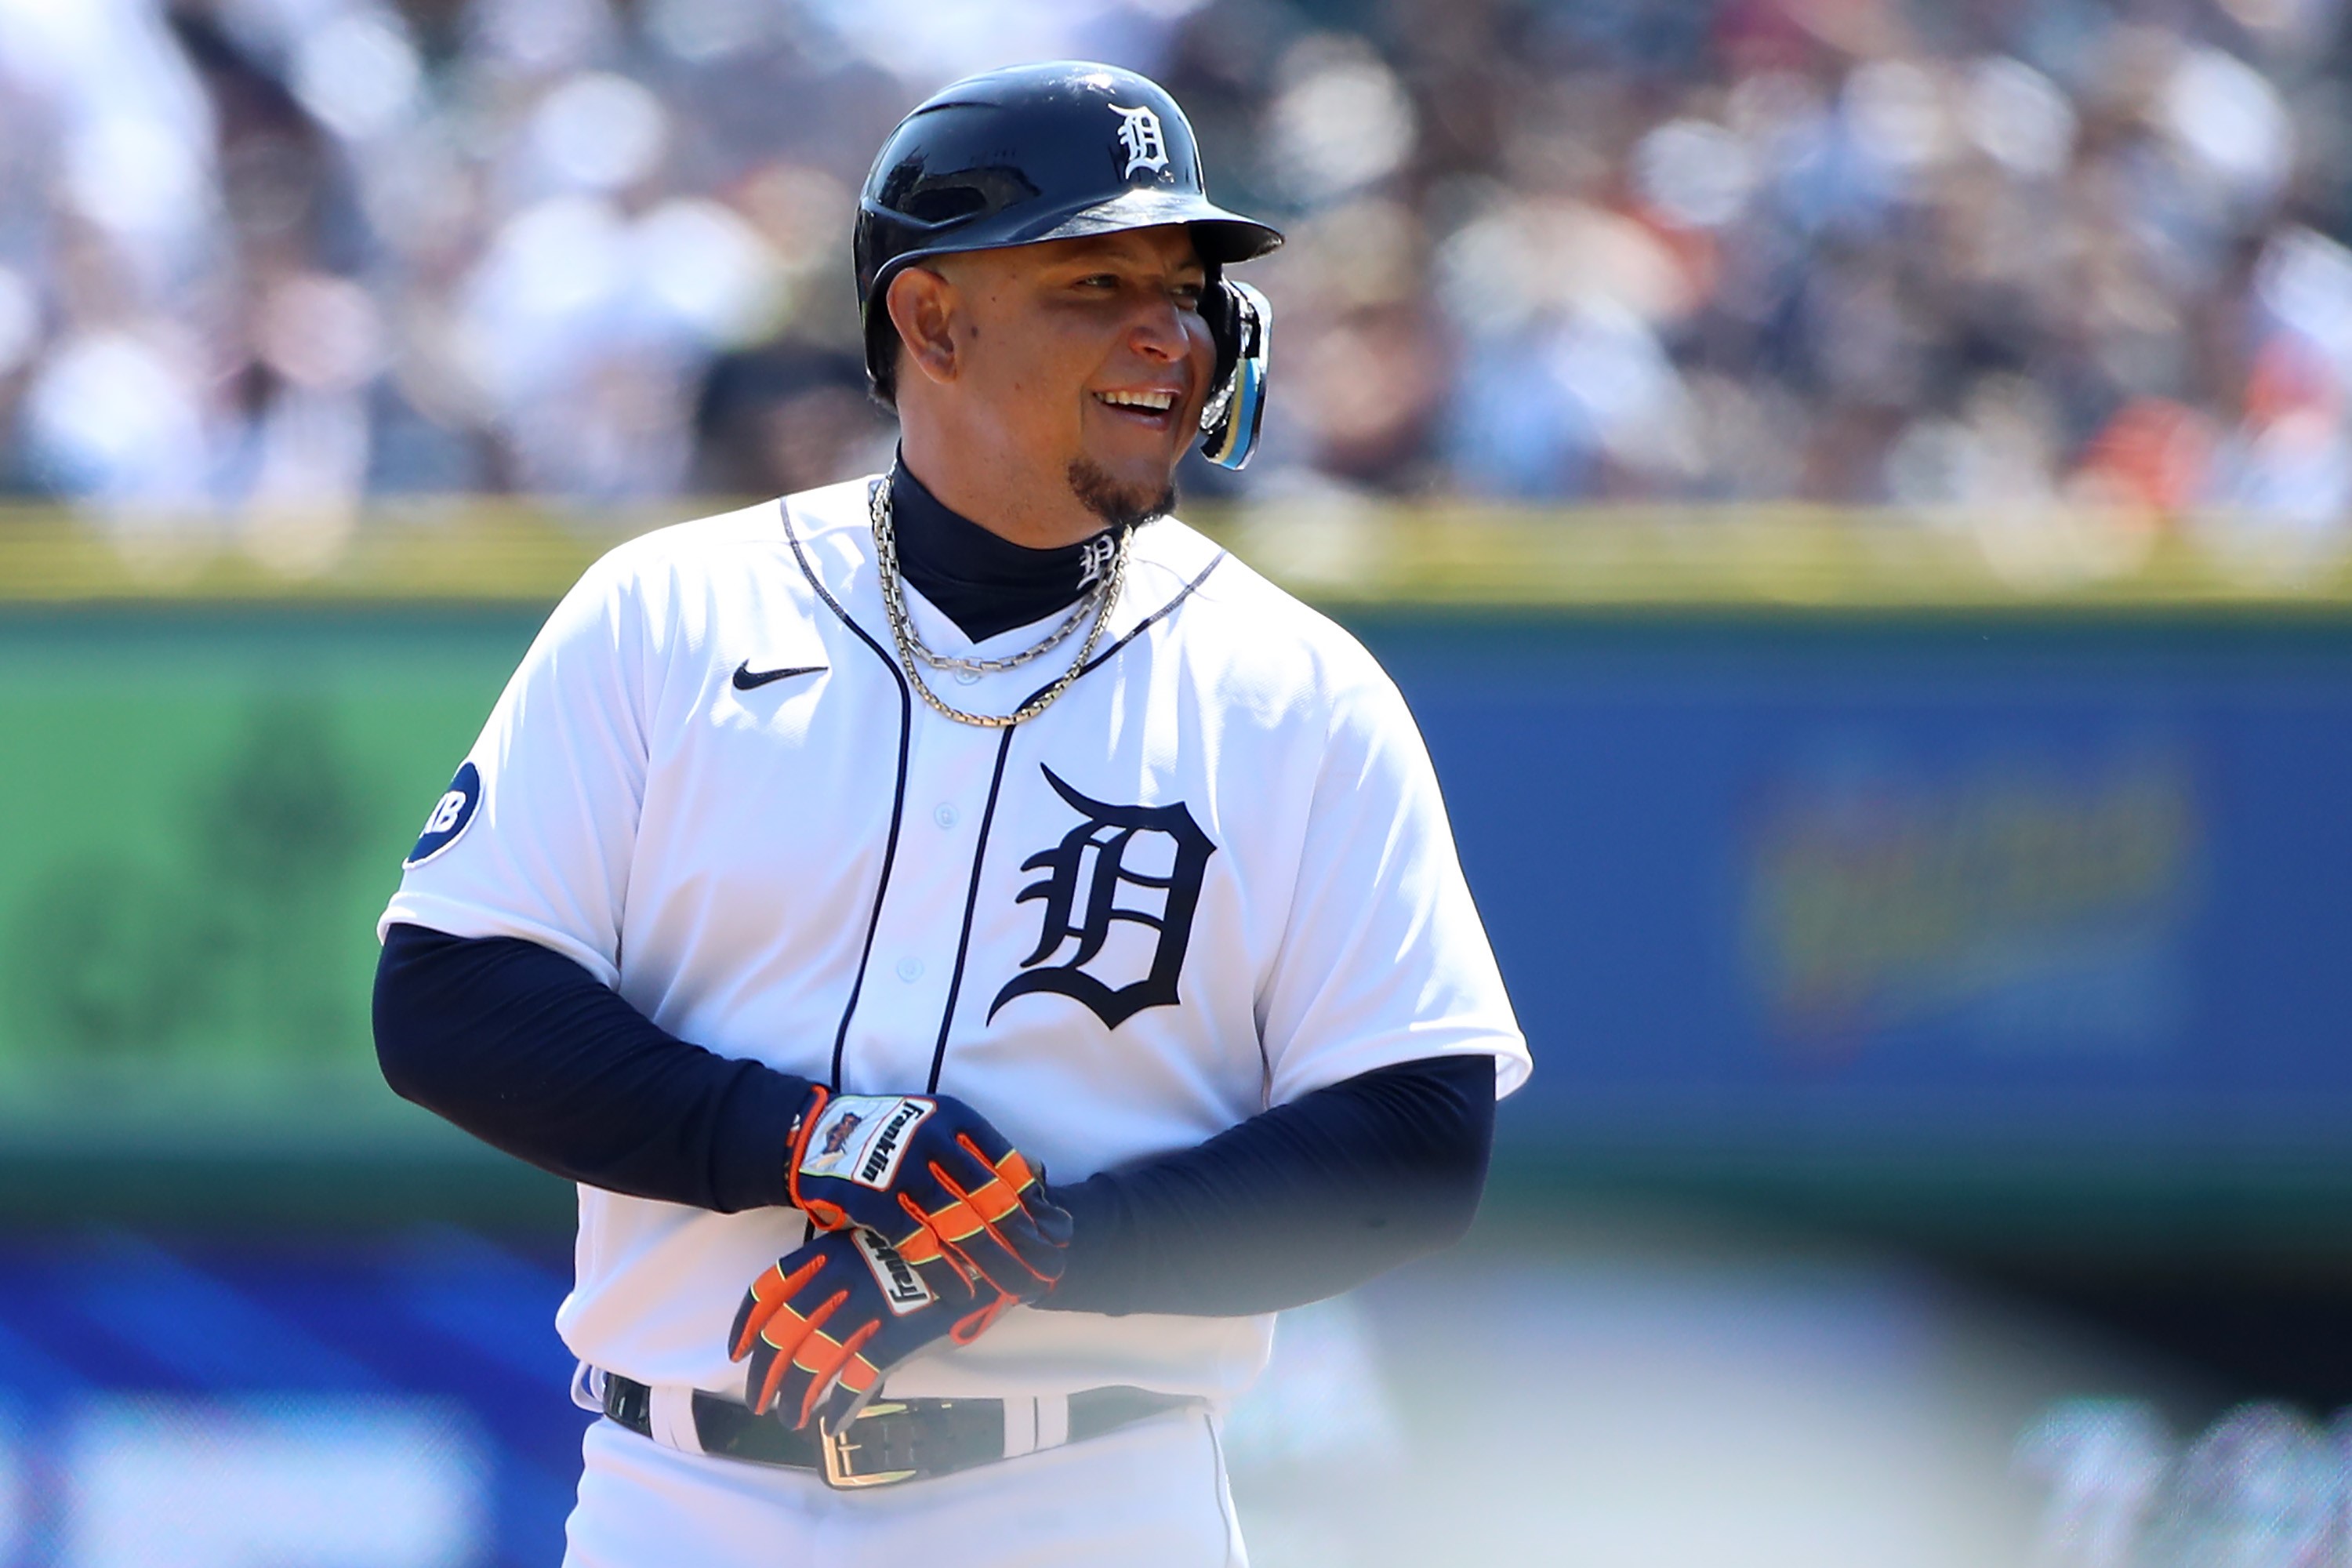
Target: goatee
[{"x": 1119, "y": 506}]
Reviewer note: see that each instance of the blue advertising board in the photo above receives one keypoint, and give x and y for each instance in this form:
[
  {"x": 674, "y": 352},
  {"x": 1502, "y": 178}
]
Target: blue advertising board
[{"x": 1990, "y": 889}]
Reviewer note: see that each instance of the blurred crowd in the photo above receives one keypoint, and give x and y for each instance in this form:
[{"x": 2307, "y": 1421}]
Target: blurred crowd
[{"x": 289, "y": 255}]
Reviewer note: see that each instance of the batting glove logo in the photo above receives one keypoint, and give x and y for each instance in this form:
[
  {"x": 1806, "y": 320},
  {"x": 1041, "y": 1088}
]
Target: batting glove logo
[{"x": 902, "y": 1287}]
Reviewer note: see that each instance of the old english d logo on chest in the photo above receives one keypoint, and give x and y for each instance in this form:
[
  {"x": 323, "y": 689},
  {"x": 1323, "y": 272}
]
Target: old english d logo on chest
[{"x": 1091, "y": 880}]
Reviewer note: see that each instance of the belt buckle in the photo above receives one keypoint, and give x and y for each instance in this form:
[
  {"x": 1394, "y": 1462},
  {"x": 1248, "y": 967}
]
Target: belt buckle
[{"x": 841, "y": 1472}]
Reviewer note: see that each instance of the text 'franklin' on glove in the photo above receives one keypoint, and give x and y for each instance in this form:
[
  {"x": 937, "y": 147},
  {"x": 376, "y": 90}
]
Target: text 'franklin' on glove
[
  {"x": 929, "y": 1175},
  {"x": 824, "y": 1326}
]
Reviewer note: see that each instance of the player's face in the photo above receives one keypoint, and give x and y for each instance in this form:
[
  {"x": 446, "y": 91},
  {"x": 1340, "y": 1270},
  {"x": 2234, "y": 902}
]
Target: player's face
[{"x": 1093, "y": 358}]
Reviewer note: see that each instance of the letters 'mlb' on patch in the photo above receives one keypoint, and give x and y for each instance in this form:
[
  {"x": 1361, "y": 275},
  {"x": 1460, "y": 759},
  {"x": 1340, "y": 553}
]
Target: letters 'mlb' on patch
[
  {"x": 901, "y": 1286},
  {"x": 863, "y": 1137},
  {"x": 451, "y": 814}
]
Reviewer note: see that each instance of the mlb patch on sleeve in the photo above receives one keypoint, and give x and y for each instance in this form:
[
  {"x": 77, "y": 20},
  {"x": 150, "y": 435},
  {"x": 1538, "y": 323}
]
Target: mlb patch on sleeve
[{"x": 450, "y": 816}]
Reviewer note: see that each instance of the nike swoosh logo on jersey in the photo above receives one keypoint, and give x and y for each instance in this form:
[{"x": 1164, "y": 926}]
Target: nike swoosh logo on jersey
[{"x": 746, "y": 678}]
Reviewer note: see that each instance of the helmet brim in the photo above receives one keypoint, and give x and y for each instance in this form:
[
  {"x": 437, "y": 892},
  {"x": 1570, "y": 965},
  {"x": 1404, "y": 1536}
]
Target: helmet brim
[{"x": 1221, "y": 238}]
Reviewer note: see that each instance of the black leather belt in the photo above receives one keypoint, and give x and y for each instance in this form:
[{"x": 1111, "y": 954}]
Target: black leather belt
[{"x": 890, "y": 1441}]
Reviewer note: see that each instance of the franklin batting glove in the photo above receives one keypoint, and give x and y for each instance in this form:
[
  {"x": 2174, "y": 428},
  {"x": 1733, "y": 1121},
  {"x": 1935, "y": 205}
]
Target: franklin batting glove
[
  {"x": 824, "y": 1326},
  {"x": 932, "y": 1177}
]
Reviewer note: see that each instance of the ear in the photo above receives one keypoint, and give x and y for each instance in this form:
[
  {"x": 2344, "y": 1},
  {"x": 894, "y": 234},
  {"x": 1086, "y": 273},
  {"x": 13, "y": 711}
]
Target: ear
[{"x": 922, "y": 306}]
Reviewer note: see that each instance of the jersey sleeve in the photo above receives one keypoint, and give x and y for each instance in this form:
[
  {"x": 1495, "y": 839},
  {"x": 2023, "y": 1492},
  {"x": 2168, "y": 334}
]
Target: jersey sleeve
[
  {"x": 1383, "y": 959},
  {"x": 534, "y": 837}
]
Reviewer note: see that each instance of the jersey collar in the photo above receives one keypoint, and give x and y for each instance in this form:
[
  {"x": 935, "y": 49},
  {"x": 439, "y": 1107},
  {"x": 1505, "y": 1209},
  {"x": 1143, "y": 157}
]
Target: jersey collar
[{"x": 832, "y": 532}]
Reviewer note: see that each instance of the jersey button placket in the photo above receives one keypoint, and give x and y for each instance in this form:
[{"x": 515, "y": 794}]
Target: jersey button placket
[{"x": 896, "y": 1023}]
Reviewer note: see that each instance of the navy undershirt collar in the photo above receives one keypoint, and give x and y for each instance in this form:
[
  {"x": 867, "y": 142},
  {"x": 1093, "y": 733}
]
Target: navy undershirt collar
[{"x": 985, "y": 583}]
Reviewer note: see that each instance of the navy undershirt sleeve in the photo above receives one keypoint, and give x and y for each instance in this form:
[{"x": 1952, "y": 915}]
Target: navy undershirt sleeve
[
  {"x": 527, "y": 1051},
  {"x": 530, "y": 1052},
  {"x": 1297, "y": 1203}
]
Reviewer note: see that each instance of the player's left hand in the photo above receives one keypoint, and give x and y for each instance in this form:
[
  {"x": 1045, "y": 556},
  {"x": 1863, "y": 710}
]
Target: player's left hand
[
  {"x": 822, "y": 1327},
  {"x": 930, "y": 1176}
]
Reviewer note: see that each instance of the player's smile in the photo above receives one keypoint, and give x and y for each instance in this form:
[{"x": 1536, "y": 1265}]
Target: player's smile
[{"x": 1155, "y": 409}]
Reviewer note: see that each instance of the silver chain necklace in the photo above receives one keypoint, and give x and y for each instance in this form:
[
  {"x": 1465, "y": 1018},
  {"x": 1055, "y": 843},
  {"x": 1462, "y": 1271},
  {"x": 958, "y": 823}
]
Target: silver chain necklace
[{"x": 912, "y": 653}]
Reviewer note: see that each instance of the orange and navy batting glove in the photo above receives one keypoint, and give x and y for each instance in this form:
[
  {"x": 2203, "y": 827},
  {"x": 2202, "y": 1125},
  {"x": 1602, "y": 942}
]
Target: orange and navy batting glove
[
  {"x": 824, "y": 1326},
  {"x": 928, "y": 1174}
]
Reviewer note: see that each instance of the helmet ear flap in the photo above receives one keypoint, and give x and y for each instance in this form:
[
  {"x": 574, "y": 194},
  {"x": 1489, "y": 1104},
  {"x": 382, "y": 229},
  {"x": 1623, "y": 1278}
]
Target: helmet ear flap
[{"x": 1240, "y": 324}]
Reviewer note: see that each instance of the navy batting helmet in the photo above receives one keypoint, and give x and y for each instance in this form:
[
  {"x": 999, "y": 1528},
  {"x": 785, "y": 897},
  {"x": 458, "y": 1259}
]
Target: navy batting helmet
[{"x": 1056, "y": 152}]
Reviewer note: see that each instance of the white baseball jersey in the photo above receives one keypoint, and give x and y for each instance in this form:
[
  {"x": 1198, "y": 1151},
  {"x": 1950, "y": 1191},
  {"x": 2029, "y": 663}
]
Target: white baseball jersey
[{"x": 1215, "y": 875}]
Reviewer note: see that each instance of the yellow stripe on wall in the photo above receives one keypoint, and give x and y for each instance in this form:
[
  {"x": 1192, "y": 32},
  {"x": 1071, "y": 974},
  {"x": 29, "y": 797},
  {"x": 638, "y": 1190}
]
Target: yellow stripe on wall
[{"x": 1340, "y": 554}]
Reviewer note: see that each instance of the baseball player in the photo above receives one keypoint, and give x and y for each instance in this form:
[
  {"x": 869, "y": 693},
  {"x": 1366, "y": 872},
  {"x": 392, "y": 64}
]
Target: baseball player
[{"x": 980, "y": 949}]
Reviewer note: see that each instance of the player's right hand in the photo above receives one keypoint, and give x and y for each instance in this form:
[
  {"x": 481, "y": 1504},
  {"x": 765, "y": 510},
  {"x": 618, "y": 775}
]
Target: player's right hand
[
  {"x": 824, "y": 1326},
  {"x": 930, "y": 1176}
]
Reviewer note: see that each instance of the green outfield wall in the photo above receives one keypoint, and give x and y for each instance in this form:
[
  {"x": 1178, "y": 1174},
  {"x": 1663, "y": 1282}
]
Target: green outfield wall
[{"x": 208, "y": 806}]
